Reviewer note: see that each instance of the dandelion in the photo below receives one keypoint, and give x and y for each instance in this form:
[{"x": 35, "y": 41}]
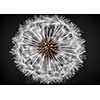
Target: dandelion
[{"x": 48, "y": 49}]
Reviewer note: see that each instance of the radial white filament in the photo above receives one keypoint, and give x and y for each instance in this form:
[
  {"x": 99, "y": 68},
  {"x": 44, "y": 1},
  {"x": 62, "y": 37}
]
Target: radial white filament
[{"x": 49, "y": 49}]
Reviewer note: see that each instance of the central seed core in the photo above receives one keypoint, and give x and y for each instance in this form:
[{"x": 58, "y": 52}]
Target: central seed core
[{"x": 48, "y": 48}]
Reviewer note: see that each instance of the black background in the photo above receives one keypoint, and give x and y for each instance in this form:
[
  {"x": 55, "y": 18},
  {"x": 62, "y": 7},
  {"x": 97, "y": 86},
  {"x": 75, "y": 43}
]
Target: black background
[{"x": 87, "y": 75}]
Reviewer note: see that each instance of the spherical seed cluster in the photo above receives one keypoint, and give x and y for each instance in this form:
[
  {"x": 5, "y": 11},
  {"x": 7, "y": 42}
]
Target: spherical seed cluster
[{"x": 49, "y": 49}]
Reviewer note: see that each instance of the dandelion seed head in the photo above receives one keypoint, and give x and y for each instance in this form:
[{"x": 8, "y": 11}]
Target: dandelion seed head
[{"x": 48, "y": 48}]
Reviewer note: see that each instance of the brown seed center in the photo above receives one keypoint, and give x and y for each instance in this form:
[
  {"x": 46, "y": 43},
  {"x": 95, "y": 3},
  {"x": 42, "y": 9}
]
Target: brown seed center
[{"x": 48, "y": 48}]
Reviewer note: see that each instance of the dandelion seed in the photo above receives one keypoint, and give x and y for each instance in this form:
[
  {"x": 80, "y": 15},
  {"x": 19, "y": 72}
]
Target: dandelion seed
[{"x": 49, "y": 48}]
